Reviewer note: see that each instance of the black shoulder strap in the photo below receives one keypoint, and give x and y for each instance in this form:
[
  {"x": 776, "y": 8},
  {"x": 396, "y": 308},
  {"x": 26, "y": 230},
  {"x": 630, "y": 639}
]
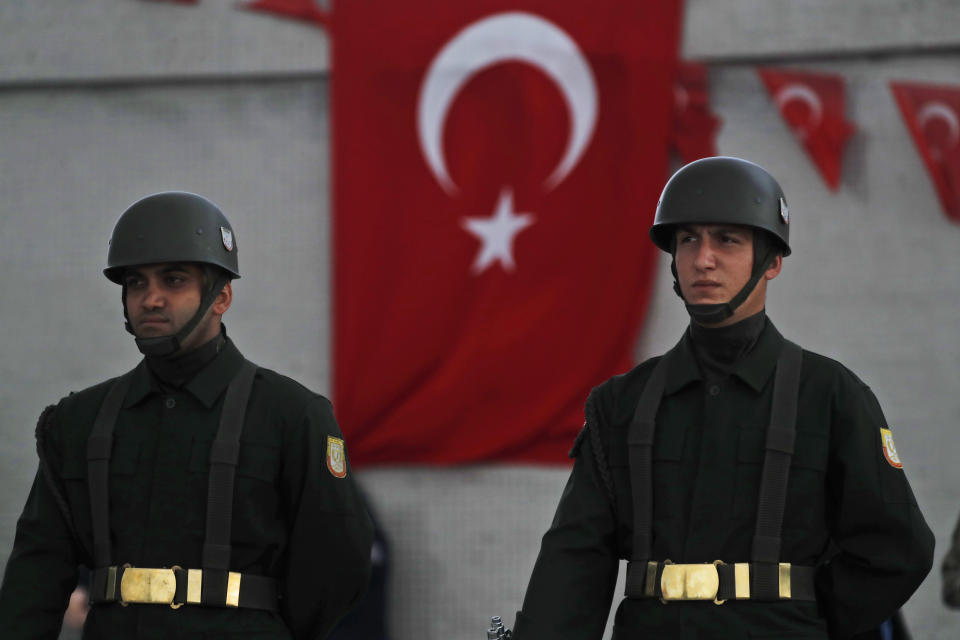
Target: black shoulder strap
[
  {"x": 640, "y": 443},
  {"x": 781, "y": 435},
  {"x": 99, "y": 449},
  {"x": 224, "y": 455}
]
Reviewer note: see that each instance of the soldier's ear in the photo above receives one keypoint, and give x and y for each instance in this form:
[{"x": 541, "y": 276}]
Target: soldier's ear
[
  {"x": 773, "y": 269},
  {"x": 223, "y": 300}
]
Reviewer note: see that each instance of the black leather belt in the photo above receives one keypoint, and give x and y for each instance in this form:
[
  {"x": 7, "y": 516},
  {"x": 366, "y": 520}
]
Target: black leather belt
[
  {"x": 177, "y": 586},
  {"x": 720, "y": 581}
]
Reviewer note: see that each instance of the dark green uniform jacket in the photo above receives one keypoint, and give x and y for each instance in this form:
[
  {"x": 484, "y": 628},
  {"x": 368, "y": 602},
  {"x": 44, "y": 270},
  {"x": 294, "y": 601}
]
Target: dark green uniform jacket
[
  {"x": 848, "y": 510},
  {"x": 293, "y": 520}
]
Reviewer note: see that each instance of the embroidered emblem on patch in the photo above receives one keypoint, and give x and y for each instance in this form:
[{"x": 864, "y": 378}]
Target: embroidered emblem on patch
[
  {"x": 336, "y": 457},
  {"x": 227, "y": 237},
  {"x": 889, "y": 449}
]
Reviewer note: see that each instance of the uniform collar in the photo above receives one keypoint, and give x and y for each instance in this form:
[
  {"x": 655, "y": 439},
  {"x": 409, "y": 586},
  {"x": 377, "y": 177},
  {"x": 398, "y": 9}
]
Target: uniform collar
[
  {"x": 755, "y": 368},
  {"x": 682, "y": 366},
  {"x": 758, "y": 365},
  {"x": 206, "y": 386}
]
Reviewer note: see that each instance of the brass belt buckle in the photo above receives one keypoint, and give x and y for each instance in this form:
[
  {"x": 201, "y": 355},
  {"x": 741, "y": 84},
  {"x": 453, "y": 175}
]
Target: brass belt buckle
[
  {"x": 689, "y": 582},
  {"x": 148, "y": 586}
]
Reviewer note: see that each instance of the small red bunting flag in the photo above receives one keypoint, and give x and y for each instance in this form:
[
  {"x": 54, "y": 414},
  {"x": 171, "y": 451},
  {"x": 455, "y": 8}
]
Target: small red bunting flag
[
  {"x": 694, "y": 125},
  {"x": 813, "y": 106},
  {"x": 932, "y": 114}
]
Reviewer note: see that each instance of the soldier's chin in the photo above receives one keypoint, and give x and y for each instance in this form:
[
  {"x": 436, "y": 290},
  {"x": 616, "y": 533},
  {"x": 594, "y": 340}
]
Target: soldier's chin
[
  {"x": 153, "y": 331},
  {"x": 704, "y": 298}
]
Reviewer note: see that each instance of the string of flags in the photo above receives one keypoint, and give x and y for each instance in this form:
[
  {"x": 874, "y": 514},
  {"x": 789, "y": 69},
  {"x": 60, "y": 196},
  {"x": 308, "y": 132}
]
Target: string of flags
[{"x": 813, "y": 105}]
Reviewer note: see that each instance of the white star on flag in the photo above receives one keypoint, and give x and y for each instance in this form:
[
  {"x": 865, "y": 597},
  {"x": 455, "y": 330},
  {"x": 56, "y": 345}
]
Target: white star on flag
[{"x": 496, "y": 233}]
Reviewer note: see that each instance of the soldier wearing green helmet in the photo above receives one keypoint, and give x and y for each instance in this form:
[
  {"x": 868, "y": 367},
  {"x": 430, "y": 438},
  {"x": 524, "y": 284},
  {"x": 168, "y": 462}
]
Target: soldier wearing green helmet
[
  {"x": 724, "y": 191},
  {"x": 752, "y": 486},
  {"x": 207, "y": 496},
  {"x": 173, "y": 227}
]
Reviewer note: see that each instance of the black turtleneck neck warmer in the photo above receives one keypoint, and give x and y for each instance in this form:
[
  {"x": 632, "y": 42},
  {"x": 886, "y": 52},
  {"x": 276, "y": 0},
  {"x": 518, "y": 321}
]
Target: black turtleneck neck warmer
[
  {"x": 177, "y": 369},
  {"x": 718, "y": 349}
]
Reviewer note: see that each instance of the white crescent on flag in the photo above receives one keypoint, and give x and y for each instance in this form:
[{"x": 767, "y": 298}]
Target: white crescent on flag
[
  {"x": 499, "y": 38},
  {"x": 805, "y": 94},
  {"x": 939, "y": 111}
]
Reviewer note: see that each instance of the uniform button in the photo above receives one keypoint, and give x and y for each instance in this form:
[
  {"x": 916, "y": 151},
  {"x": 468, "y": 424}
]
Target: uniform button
[
  {"x": 715, "y": 390},
  {"x": 171, "y": 403}
]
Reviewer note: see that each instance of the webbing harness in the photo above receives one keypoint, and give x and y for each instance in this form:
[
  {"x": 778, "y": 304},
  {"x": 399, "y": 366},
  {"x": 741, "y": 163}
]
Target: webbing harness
[
  {"x": 764, "y": 578},
  {"x": 212, "y": 585}
]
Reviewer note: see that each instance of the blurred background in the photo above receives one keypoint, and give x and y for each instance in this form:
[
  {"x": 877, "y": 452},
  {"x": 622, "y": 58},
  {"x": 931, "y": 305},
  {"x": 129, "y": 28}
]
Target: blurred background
[{"x": 104, "y": 101}]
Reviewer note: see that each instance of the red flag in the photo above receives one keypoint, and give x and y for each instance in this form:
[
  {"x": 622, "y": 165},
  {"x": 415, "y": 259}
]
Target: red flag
[
  {"x": 306, "y": 10},
  {"x": 813, "y": 105},
  {"x": 932, "y": 114},
  {"x": 694, "y": 125},
  {"x": 496, "y": 168}
]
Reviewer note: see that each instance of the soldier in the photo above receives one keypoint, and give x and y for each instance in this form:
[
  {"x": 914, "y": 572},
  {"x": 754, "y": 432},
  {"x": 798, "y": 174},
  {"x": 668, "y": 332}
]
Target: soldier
[
  {"x": 753, "y": 486},
  {"x": 210, "y": 498}
]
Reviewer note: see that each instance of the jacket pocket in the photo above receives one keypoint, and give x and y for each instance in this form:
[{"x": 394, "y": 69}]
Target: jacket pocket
[
  {"x": 124, "y": 461},
  {"x": 668, "y": 480},
  {"x": 666, "y": 472},
  {"x": 258, "y": 461},
  {"x": 807, "y": 468}
]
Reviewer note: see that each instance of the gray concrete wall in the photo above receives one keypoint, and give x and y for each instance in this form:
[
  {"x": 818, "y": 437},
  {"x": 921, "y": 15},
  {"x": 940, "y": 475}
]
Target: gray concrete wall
[
  {"x": 791, "y": 29},
  {"x": 97, "y": 41},
  {"x": 107, "y": 100}
]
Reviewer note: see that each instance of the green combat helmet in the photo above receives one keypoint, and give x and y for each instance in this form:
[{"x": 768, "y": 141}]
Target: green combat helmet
[
  {"x": 173, "y": 226},
  {"x": 723, "y": 190}
]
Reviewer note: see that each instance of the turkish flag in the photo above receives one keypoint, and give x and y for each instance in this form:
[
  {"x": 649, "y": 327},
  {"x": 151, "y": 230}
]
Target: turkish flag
[
  {"x": 932, "y": 114},
  {"x": 305, "y": 10},
  {"x": 496, "y": 167},
  {"x": 694, "y": 125},
  {"x": 813, "y": 106}
]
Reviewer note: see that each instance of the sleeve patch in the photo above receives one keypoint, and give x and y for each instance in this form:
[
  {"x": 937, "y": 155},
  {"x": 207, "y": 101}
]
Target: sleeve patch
[
  {"x": 890, "y": 449},
  {"x": 336, "y": 457}
]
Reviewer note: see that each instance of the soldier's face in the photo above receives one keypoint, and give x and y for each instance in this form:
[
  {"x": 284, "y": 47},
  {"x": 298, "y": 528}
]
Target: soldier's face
[
  {"x": 714, "y": 262},
  {"x": 161, "y": 299}
]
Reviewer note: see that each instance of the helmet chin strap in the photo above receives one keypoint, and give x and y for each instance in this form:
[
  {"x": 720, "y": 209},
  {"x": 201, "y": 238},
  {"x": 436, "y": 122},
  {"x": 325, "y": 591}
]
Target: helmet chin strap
[
  {"x": 718, "y": 312},
  {"x": 169, "y": 345}
]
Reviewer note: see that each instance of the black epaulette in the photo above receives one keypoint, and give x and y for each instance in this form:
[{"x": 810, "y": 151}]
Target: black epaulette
[
  {"x": 592, "y": 428},
  {"x": 575, "y": 449},
  {"x": 44, "y": 422}
]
